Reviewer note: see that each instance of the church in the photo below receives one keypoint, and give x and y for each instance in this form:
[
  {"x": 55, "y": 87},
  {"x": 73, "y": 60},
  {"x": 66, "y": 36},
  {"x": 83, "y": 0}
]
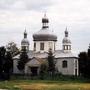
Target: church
[{"x": 66, "y": 62}]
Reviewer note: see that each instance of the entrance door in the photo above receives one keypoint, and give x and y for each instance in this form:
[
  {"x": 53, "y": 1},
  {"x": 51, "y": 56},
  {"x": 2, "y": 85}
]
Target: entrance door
[{"x": 34, "y": 71}]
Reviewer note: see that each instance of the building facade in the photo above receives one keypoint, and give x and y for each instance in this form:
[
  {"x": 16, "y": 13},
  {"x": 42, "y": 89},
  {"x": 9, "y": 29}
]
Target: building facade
[{"x": 44, "y": 40}]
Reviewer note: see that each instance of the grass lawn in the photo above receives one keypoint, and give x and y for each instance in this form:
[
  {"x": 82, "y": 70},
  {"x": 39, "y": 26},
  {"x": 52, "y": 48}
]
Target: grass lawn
[{"x": 43, "y": 85}]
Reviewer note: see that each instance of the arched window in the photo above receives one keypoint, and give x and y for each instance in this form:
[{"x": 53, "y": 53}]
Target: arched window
[
  {"x": 65, "y": 47},
  {"x": 76, "y": 63},
  {"x": 41, "y": 46},
  {"x": 64, "y": 64},
  {"x": 34, "y": 46}
]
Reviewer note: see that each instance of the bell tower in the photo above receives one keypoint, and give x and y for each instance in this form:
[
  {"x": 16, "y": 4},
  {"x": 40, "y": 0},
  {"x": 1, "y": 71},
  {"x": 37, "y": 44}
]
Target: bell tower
[
  {"x": 25, "y": 42},
  {"x": 66, "y": 42}
]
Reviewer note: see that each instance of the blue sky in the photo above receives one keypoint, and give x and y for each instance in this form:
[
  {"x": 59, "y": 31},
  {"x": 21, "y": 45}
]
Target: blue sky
[{"x": 15, "y": 15}]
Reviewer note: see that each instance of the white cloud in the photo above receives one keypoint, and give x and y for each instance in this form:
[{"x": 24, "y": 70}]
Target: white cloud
[
  {"x": 15, "y": 15},
  {"x": 25, "y": 4}
]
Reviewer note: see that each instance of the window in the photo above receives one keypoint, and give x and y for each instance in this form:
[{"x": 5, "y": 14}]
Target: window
[
  {"x": 69, "y": 47},
  {"x": 34, "y": 46},
  {"x": 65, "y": 47},
  {"x": 64, "y": 64},
  {"x": 76, "y": 63},
  {"x": 41, "y": 46}
]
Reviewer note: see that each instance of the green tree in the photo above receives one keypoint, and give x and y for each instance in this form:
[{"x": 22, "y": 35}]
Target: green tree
[
  {"x": 12, "y": 47},
  {"x": 51, "y": 63},
  {"x": 2, "y": 61},
  {"x": 8, "y": 65},
  {"x": 23, "y": 59},
  {"x": 84, "y": 63},
  {"x": 43, "y": 70},
  {"x": 89, "y": 51},
  {"x": 88, "y": 62}
]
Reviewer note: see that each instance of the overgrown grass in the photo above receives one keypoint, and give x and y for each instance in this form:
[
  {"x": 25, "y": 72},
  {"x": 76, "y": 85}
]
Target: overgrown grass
[
  {"x": 43, "y": 85},
  {"x": 63, "y": 83},
  {"x": 52, "y": 78}
]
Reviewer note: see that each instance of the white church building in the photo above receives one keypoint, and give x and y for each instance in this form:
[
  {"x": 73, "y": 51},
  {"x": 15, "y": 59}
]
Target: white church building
[{"x": 65, "y": 62}]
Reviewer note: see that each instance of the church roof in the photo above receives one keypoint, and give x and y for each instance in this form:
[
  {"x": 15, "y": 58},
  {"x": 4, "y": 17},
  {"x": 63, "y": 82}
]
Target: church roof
[
  {"x": 57, "y": 54},
  {"x": 66, "y": 40},
  {"x": 44, "y": 34},
  {"x": 24, "y": 41},
  {"x": 62, "y": 54},
  {"x": 35, "y": 62}
]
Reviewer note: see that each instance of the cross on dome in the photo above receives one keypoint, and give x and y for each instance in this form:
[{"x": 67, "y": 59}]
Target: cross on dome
[
  {"x": 44, "y": 14},
  {"x": 45, "y": 21},
  {"x": 66, "y": 32},
  {"x": 25, "y": 33}
]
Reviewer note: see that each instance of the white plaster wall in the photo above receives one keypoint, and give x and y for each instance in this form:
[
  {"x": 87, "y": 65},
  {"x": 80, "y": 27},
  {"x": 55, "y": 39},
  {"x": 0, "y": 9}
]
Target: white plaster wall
[
  {"x": 27, "y": 70},
  {"x": 66, "y": 43},
  {"x": 66, "y": 51},
  {"x": 70, "y": 70},
  {"x": 47, "y": 45},
  {"x": 76, "y": 66}
]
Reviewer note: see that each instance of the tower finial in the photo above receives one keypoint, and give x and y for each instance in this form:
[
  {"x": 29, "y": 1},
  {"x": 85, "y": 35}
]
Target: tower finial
[
  {"x": 66, "y": 28},
  {"x": 45, "y": 14},
  {"x": 66, "y": 32},
  {"x": 25, "y": 29},
  {"x": 25, "y": 33},
  {"x": 45, "y": 21}
]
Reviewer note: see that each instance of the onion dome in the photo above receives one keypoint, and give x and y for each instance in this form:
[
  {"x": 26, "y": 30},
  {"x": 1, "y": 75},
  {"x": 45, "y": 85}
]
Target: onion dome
[
  {"x": 44, "y": 34},
  {"x": 66, "y": 39},
  {"x": 25, "y": 40}
]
